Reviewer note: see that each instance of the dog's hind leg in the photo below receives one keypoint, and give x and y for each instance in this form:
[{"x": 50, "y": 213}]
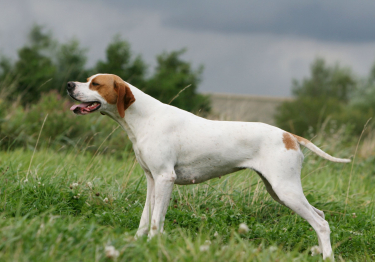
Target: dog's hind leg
[
  {"x": 294, "y": 198},
  {"x": 276, "y": 198},
  {"x": 319, "y": 212},
  {"x": 281, "y": 175}
]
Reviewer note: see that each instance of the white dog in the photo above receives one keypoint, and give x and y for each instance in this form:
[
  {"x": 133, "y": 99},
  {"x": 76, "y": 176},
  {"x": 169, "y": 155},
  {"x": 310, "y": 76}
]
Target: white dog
[{"x": 176, "y": 147}]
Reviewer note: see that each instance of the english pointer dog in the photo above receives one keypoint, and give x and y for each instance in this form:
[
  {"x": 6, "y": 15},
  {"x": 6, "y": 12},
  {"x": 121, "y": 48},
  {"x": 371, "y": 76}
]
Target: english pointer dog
[{"x": 177, "y": 147}]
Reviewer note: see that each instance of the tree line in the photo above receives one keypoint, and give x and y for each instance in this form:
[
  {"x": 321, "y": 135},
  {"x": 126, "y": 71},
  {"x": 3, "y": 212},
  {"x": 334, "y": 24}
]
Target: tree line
[
  {"x": 331, "y": 97},
  {"x": 43, "y": 64}
]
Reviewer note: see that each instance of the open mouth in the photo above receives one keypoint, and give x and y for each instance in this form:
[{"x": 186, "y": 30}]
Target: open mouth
[{"x": 85, "y": 108}]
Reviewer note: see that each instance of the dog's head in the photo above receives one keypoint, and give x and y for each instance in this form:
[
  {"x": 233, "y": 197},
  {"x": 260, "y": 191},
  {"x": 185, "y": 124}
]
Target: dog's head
[{"x": 103, "y": 93}]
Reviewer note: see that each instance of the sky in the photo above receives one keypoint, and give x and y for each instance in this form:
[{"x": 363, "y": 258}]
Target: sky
[{"x": 246, "y": 47}]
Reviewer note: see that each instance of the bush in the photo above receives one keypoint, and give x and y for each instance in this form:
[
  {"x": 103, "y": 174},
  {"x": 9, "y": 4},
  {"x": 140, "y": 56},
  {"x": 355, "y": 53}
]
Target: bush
[
  {"x": 331, "y": 95},
  {"x": 20, "y": 126}
]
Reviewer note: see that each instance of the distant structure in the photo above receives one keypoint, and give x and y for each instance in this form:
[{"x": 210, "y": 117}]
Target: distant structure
[{"x": 244, "y": 107}]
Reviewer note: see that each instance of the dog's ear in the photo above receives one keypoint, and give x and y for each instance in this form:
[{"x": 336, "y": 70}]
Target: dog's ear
[{"x": 125, "y": 97}]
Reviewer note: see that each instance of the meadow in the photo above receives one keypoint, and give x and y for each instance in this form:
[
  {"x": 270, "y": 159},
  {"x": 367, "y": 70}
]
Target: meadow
[{"x": 76, "y": 204}]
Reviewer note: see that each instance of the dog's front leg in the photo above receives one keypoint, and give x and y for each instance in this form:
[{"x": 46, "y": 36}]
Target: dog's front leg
[
  {"x": 163, "y": 190},
  {"x": 148, "y": 208}
]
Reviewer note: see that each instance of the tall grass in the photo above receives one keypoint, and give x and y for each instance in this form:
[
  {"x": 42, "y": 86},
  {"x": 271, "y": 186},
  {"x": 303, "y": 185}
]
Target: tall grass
[
  {"x": 20, "y": 127},
  {"x": 75, "y": 204}
]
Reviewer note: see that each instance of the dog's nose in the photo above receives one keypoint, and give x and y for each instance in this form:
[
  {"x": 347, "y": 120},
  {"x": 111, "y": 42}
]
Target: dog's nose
[{"x": 71, "y": 86}]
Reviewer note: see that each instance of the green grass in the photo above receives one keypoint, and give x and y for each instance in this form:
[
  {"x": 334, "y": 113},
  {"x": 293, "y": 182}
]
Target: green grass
[{"x": 46, "y": 218}]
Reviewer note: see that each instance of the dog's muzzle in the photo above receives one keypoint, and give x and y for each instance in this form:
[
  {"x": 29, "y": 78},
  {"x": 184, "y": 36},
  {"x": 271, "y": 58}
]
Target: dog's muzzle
[{"x": 70, "y": 86}]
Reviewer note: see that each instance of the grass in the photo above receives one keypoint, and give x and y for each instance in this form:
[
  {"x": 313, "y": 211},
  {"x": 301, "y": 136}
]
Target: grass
[{"x": 73, "y": 204}]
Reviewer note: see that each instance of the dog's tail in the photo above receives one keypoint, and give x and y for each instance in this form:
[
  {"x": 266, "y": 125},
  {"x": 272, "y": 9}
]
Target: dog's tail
[{"x": 318, "y": 151}]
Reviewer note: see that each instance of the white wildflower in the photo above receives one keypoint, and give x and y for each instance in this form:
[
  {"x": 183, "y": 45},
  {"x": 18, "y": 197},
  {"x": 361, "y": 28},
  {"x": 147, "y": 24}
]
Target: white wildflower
[
  {"x": 111, "y": 252},
  {"x": 224, "y": 247},
  {"x": 216, "y": 234},
  {"x": 272, "y": 248},
  {"x": 315, "y": 250},
  {"x": 74, "y": 185},
  {"x": 206, "y": 246},
  {"x": 355, "y": 233},
  {"x": 354, "y": 215},
  {"x": 89, "y": 184},
  {"x": 105, "y": 200},
  {"x": 39, "y": 183},
  {"x": 243, "y": 228}
]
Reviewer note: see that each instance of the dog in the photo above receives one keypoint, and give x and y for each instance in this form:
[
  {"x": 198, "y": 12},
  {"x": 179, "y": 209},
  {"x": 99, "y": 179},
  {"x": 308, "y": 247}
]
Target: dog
[{"x": 174, "y": 146}]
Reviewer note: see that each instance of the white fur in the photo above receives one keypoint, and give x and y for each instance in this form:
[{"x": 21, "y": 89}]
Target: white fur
[{"x": 176, "y": 147}]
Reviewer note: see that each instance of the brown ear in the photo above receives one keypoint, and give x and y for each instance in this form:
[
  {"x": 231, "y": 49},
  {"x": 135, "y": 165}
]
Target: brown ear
[{"x": 125, "y": 97}]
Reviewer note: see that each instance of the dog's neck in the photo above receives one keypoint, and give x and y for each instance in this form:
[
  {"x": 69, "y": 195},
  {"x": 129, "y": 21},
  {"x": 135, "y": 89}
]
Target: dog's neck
[{"x": 136, "y": 115}]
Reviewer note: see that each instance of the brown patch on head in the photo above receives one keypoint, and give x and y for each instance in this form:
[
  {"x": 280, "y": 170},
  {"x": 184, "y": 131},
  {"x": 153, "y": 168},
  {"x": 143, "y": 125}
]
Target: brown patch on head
[
  {"x": 125, "y": 96},
  {"x": 104, "y": 84},
  {"x": 114, "y": 90},
  {"x": 289, "y": 141}
]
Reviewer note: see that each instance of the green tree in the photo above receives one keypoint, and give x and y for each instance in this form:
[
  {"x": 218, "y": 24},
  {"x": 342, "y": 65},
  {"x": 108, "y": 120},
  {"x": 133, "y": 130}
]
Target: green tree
[
  {"x": 71, "y": 62},
  {"x": 119, "y": 61},
  {"x": 324, "y": 94},
  {"x": 34, "y": 68},
  {"x": 362, "y": 105},
  {"x": 43, "y": 64},
  {"x": 326, "y": 82},
  {"x": 172, "y": 74}
]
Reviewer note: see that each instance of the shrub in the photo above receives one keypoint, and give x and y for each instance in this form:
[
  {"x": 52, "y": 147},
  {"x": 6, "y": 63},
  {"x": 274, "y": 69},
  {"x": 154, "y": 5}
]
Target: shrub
[
  {"x": 331, "y": 95},
  {"x": 20, "y": 126}
]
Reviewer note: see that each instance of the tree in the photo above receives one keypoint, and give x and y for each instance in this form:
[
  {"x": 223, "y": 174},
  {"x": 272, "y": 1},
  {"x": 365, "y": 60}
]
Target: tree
[
  {"x": 34, "y": 69},
  {"x": 43, "y": 64},
  {"x": 326, "y": 82},
  {"x": 119, "y": 61},
  {"x": 172, "y": 74},
  {"x": 324, "y": 94},
  {"x": 71, "y": 61}
]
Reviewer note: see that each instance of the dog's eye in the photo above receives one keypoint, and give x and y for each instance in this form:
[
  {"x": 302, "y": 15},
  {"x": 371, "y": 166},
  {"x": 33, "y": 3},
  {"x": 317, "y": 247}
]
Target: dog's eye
[{"x": 94, "y": 84}]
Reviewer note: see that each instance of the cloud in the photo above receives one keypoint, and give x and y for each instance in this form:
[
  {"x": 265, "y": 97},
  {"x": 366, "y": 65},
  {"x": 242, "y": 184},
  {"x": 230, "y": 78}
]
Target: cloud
[
  {"x": 334, "y": 20},
  {"x": 243, "y": 62}
]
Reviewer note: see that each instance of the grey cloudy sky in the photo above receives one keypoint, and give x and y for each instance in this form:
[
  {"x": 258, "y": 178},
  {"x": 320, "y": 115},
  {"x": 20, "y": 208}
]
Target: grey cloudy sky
[{"x": 247, "y": 47}]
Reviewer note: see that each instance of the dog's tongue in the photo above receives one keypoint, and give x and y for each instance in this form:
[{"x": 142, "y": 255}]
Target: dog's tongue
[{"x": 83, "y": 105}]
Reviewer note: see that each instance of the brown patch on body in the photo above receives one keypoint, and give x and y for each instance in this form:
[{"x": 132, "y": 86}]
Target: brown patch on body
[
  {"x": 289, "y": 141},
  {"x": 301, "y": 140},
  {"x": 114, "y": 90}
]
